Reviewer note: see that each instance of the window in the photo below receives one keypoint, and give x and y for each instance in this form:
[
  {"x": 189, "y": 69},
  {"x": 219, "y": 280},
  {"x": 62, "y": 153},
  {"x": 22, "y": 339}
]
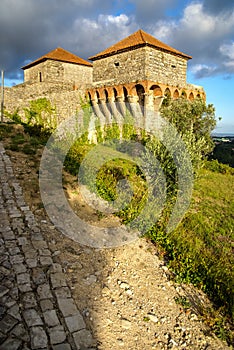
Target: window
[
  {"x": 40, "y": 77},
  {"x": 173, "y": 66},
  {"x": 116, "y": 64}
]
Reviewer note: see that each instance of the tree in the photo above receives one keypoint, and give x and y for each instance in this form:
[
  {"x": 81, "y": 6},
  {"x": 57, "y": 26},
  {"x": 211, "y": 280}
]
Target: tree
[{"x": 194, "y": 121}]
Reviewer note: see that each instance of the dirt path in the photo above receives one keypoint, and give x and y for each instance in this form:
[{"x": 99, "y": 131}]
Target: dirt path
[{"x": 127, "y": 295}]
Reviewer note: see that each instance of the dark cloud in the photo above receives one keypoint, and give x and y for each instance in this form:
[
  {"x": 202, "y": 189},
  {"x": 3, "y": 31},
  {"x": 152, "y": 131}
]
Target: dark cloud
[
  {"x": 217, "y": 6},
  {"x": 29, "y": 29},
  {"x": 206, "y": 37},
  {"x": 148, "y": 11}
]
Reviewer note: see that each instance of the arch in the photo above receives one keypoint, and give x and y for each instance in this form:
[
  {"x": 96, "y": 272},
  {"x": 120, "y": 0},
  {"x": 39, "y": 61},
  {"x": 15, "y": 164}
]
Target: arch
[
  {"x": 125, "y": 93},
  {"x": 106, "y": 95},
  {"x": 157, "y": 91},
  {"x": 176, "y": 94},
  {"x": 89, "y": 96},
  {"x": 191, "y": 96},
  {"x": 167, "y": 92},
  {"x": 183, "y": 94},
  {"x": 140, "y": 90},
  {"x": 115, "y": 93},
  {"x": 198, "y": 95},
  {"x": 97, "y": 94}
]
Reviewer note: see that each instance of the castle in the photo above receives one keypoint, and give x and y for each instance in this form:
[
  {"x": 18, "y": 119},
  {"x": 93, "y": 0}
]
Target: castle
[{"x": 138, "y": 69}]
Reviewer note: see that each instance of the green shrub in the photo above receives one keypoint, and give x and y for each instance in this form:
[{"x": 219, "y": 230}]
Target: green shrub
[{"x": 216, "y": 166}]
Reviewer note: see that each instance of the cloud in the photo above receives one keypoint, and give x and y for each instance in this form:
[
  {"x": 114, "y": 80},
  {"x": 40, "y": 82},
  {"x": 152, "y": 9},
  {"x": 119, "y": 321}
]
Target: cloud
[
  {"x": 29, "y": 28},
  {"x": 149, "y": 11},
  {"x": 202, "y": 29},
  {"x": 203, "y": 36},
  {"x": 203, "y": 70},
  {"x": 228, "y": 50},
  {"x": 217, "y": 6},
  {"x": 96, "y": 35}
]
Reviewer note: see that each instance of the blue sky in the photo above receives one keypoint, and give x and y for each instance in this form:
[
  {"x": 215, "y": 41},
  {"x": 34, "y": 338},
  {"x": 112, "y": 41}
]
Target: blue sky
[{"x": 203, "y": 29}]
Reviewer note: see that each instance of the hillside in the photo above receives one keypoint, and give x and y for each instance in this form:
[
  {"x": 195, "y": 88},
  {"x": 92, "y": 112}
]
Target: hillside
[{"x": 135, "y": 296}]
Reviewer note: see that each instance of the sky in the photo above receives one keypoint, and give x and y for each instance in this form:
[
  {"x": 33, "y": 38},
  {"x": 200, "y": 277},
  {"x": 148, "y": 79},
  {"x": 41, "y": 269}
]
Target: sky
[{"x": 203, "y": 29}]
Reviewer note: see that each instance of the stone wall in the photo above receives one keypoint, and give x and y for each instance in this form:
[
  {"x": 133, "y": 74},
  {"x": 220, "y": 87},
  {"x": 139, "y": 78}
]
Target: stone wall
[
  {"x": 144, "y": 63},
  {"x": 63, "y": 97},
  {"x": 58, "y": 71},
  {"x": 120, "y": 68},
  {"x": 165, "y": 68}
]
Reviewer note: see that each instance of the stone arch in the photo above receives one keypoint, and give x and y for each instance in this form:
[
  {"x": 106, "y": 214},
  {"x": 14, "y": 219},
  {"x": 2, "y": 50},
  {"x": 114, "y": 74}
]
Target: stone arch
[
  {"x": 140, "y": 91},
  {"x": 91, "y": 94},
  {"x": 106, "y": 95},
  {"x": 125, "y": 94},
  {"x": 89, "y": 97},
  {"x": 157, "y": 91},
  {"x": 176, "y": 94},
  {"x": 191, "y": 96},
  {"x": 183, "y": 94},
  {"x": 119, "y": 90},
  {"x": 115, "y": 93},
  {"x": 167, "y": 92}
]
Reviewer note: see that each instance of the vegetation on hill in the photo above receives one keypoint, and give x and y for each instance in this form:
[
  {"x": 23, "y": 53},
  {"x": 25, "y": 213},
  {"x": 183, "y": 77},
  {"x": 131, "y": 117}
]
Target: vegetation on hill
[
  {"x": 200, "y": 249},
  {"x": 224, "y": 153}
]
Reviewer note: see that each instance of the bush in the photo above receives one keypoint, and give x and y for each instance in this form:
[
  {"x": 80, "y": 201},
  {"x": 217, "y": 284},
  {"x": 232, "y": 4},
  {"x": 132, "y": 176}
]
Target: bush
[{"x": 215, "y": 166}]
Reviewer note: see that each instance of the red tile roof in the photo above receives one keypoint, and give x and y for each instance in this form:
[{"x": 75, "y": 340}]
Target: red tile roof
[
  {"x": 60, "y": 54},
  {"x": 135, "y": 40}
]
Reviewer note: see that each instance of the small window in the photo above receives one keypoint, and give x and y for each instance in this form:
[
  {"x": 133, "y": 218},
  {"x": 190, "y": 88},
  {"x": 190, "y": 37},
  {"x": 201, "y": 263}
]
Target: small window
[
  {"x": 40, "y": 77},
  {"x": 173, "y": 66},
  {"x": 116, "y": 64}
]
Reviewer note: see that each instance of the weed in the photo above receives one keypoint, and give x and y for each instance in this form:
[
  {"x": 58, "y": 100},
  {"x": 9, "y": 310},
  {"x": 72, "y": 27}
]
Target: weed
[
  {"x": 183, "y": 301},
  {"x": 28, "y": 149}
]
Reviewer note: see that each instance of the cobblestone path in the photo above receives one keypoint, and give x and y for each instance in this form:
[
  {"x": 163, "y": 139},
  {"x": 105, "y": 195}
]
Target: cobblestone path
[{"x": 37, "y": 310}]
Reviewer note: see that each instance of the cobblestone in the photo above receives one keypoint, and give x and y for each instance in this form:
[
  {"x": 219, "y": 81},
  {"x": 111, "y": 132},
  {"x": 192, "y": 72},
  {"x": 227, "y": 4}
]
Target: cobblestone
[{"x": 37, "y": 310}]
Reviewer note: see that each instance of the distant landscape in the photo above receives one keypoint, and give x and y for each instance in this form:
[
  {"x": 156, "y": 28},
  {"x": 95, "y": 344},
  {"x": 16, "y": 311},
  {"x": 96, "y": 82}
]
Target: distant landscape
[{"x": 224, "y": 148}]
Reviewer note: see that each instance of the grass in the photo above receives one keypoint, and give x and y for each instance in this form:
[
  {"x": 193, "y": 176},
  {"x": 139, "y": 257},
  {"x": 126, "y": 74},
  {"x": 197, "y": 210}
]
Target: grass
[{"x": 200, "y": 250}]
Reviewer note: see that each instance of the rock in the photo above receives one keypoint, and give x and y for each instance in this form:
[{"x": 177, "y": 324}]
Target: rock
[
  {"x": 153, "y": 318},
  {"x": 124, "y": 285},
  {"x": 38, "y": 338},
  {"x": 91, "y": 279},
  {"x": 125, "y": 323}
]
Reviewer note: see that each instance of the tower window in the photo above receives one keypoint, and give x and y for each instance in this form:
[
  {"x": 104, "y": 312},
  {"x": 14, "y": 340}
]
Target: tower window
[
  {"x": 40, "y": 77},
  {"x": 173, "y": 66},
  {"x": 116, "y": 64}
]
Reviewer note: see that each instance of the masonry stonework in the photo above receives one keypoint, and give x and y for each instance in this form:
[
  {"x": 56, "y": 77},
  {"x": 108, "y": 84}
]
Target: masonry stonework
[
  {"x": 165, "y": 68},
  {"x": 121, "y": 68},
  {"x": 138, "y": 69},
  {"x": 57, "y": 71}
]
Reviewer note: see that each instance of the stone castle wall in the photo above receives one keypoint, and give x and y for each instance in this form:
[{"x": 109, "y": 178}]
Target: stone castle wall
[
  {"x": 57, "y": 71},
  {"x": 143, "y": 75},
  {"x": 121, "y": 68},
  {"x": 165, "y": 68},
  {"x": 63, "y": 96},
  {"x": 144, "y": 63}
]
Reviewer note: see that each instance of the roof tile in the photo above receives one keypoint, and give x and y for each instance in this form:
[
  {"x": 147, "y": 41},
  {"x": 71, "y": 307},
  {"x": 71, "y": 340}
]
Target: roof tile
[
  {"x": 60, "y": 54},
  {"x": 137, "y": 39}
]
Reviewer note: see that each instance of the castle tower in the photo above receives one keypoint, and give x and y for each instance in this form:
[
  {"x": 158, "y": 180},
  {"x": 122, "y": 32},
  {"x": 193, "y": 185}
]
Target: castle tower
[
  {"x": 59, "y": 66},
  {"x": 140, "y": 68}
]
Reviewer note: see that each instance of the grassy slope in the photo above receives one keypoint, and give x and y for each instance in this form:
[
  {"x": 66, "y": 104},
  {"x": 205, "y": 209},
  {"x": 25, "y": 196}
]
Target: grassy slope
[{"x": 201, "y": 248}]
